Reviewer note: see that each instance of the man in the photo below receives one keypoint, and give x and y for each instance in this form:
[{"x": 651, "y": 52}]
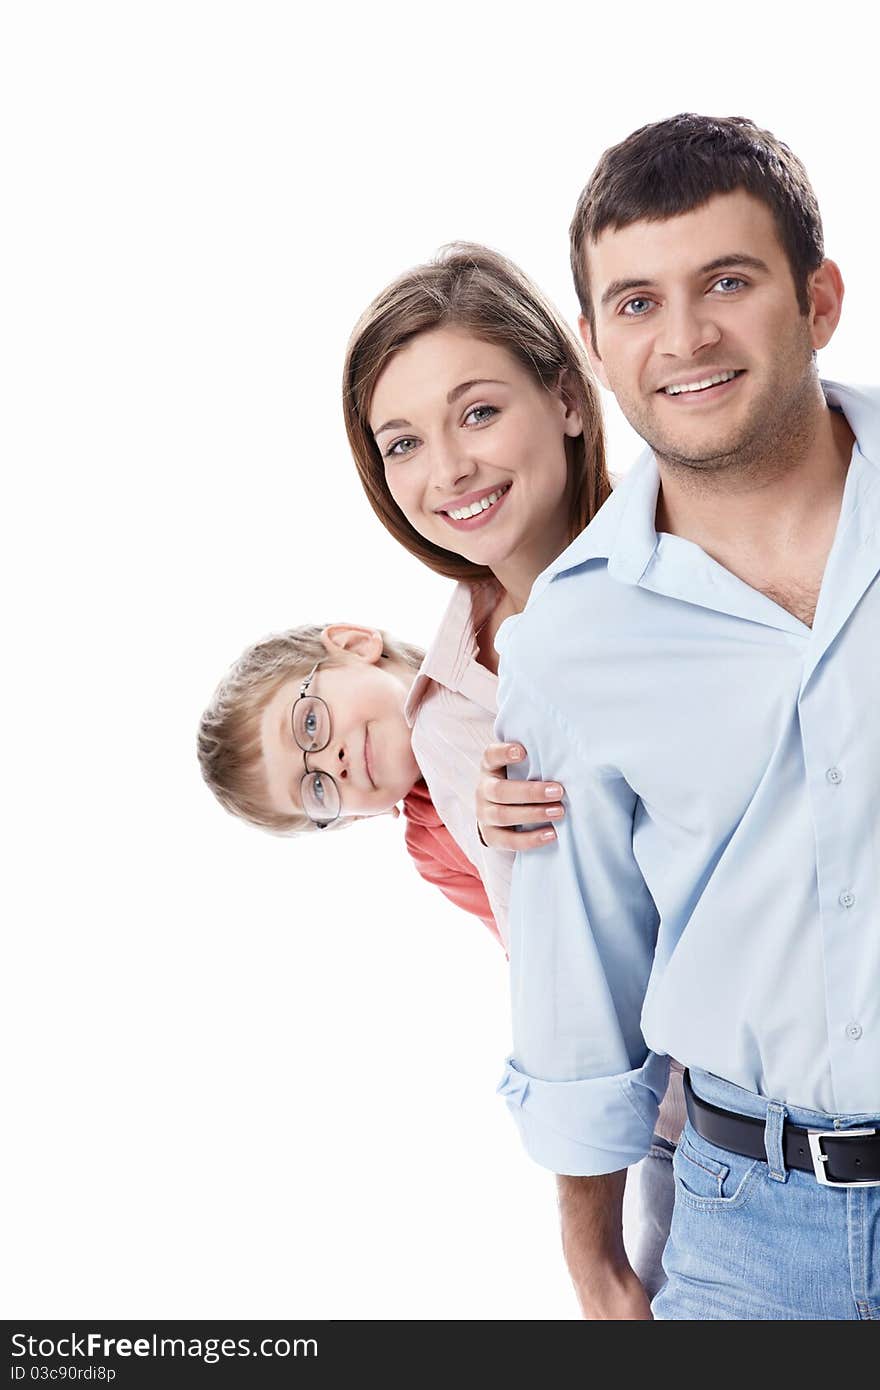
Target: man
[{"x": 701, "y": 670}]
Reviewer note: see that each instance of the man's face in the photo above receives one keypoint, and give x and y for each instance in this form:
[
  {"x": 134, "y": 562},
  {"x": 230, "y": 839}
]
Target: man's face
[{"x": 704, "y": 301}]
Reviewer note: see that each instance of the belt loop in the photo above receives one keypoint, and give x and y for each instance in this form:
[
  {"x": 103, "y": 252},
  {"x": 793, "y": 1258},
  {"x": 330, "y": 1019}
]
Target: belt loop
[{"x": 773, "y": 1141}]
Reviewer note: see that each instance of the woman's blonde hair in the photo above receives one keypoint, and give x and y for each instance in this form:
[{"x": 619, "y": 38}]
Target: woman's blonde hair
[
  {"x": 229, "y": 744},
  {"x": 468, "y": 286}
]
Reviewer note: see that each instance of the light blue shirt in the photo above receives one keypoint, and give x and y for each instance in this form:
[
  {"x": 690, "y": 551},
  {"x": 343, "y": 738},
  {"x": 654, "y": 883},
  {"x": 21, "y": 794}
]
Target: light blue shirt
[{"x": 713, "y": 893}]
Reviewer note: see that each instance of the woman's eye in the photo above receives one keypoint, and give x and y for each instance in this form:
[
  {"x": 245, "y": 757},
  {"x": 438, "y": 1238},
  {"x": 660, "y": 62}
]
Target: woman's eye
[
  {"x": 728, "y": 284},
  {"x": 636, "y": 308},
  {"x": 400, "y": 448},
  {"x": 479, "y": 414}
]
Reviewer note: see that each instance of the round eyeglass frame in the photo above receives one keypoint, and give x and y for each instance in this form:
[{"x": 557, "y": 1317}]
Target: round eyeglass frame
[{"x": 321, "y": 822}]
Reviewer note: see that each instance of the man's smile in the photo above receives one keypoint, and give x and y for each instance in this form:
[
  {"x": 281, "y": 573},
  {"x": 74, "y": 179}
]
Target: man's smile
[{"x": 697, "y": 389}]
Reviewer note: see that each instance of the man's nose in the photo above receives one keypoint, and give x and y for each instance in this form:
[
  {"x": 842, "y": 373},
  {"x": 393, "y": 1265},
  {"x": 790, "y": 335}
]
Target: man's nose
[{"x": 686, "y": 328}]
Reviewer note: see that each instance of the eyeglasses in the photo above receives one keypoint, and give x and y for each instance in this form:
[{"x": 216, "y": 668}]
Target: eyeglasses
[{"x": 310, "y": 721}]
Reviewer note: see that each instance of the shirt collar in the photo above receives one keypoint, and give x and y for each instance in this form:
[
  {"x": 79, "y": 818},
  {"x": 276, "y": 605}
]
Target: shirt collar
[
  {"x": 451, "y": 660},
  {"x": 623, "y": 531}
]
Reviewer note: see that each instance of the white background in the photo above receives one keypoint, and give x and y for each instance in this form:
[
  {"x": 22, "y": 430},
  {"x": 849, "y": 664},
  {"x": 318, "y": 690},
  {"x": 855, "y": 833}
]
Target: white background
[{"x": 249, "y": 1077}]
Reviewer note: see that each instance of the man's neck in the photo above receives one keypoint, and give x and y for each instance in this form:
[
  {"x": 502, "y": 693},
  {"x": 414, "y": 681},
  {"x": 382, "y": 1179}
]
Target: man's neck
[{"x": 764, "y": 515}]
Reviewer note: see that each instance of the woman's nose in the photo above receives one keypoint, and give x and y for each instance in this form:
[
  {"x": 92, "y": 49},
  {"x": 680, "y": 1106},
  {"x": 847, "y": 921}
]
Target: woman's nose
[{"x": 451, "y": 464}]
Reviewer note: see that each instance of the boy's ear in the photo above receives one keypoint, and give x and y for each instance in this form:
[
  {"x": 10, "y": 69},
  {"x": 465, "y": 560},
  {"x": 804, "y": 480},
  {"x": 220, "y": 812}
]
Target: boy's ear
[{"x": 364, "y": 642}]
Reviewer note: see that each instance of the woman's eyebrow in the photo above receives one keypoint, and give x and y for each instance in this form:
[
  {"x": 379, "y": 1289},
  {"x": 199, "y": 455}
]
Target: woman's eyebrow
[
  {"x": 451, "y": 398},
  {"x": 392, "y": 425},
  {"x": 466, "y": 386}
]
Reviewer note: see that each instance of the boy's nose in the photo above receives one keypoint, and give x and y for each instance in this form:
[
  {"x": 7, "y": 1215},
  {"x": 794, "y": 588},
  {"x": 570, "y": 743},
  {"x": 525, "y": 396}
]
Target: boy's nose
[{"x": 338, "y": 762}]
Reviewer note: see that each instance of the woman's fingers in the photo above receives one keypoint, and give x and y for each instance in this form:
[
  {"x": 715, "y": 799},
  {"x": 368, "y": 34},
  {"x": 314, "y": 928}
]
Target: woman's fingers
[
  {"x": 501, "y": 792},
  {"x": 517, "y": 839},
  {"x": 490, "y": 813},
  {"x": 495, "y": 787},
  {"x": 498, "y": 755},
  {"x": 503, "y": 802}
]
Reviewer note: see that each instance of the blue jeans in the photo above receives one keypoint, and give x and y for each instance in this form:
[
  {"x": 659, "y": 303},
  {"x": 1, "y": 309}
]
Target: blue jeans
[
  {"x": 751, "y": 1241},
  {"x": 656, "y": 1197}
]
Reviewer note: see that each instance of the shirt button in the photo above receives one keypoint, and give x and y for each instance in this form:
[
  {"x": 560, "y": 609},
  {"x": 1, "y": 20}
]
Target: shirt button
[
  {"x": 834, "y": 775},
  {"x": 854, "y": 1031},
  {"x": 846, "y": 899}
]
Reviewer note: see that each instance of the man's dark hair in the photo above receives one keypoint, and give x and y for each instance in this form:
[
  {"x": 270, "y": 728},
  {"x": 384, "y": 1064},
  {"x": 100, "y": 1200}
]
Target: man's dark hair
[{"x": 676, "y": 165}]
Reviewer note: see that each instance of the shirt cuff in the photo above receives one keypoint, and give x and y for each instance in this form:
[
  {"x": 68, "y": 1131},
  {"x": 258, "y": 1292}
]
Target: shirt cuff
[{"x": 582, "y": 1128}]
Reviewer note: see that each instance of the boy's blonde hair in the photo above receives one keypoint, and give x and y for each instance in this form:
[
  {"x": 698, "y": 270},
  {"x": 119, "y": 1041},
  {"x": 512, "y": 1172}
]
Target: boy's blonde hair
[{"x": 229, "y": 744}]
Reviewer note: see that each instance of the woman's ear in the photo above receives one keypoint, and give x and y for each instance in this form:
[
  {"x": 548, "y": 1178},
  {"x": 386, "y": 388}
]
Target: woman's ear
[
  {"x": 363, "y": 642},
  {"x": 572, "y": 422}
]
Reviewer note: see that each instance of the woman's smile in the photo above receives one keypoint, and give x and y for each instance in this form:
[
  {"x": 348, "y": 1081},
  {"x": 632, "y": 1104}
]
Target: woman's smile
[{"x": 475, "y": 509}]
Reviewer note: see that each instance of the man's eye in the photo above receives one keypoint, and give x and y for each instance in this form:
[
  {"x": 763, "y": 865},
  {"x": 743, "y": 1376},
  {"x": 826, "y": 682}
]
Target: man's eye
[
  {"x": 728, "y": 284},
  {"x": 480, "y": 414},
  {"x": 400, "y": 448},
  {"x": 636, "y": 308}
]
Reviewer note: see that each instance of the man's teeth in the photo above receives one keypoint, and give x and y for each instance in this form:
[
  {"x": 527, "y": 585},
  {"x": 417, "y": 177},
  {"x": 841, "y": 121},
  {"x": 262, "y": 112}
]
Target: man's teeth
[
  {"x": 700, "y": 385},
  {"x": 476, "y": 507}
]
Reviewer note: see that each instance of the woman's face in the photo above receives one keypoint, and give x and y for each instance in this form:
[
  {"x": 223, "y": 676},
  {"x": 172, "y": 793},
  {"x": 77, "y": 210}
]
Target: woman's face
[{"x": 474, "y": 450}]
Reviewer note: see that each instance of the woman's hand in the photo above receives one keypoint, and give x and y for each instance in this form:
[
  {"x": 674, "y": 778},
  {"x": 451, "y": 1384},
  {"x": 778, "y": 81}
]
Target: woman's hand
[{"x": 502, "y": 804}]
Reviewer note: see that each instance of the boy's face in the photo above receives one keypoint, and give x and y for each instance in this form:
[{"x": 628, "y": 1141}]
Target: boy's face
[
  {"x": 369, "y": 755},
  {"x": 706, "y": 294}
]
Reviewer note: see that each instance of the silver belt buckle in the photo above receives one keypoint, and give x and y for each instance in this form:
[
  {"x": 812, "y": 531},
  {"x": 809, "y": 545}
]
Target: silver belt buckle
[{"x": 820, "y": 1159}]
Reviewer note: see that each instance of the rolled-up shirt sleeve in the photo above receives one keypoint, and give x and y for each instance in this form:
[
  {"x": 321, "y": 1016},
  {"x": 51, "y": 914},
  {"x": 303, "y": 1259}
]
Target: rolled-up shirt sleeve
[{"x": 581, "y": 1083}]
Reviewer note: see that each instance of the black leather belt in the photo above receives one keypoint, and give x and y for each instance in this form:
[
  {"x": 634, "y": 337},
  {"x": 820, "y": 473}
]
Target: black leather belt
[{"x": 837, "y": 1157}]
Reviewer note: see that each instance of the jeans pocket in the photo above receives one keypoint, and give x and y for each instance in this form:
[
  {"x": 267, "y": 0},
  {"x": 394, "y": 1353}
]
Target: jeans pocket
[{"x": 709, "y": 1178}]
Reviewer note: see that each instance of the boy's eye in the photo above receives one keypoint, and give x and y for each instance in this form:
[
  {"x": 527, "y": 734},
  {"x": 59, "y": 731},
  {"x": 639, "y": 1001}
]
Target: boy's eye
[
  {"x": 311, "y": 724},
  {"x": 318, "y": 787}
]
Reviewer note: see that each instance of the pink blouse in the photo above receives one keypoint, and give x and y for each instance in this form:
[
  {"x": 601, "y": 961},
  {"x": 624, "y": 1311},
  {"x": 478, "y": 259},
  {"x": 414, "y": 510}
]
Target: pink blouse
[{"x": 440, "y": 861}]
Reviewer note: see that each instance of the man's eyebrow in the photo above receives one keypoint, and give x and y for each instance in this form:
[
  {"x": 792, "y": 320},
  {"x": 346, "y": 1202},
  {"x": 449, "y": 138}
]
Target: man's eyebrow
[
  {"x": 451, "y": 398},
  {"x": 620, "y": 286},
  {"x": 738, "y": 259}
]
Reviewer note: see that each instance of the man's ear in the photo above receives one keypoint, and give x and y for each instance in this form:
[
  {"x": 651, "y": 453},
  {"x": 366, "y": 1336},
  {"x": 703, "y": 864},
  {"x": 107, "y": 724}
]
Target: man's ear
[
  {"x": 363, "y": 642},
  {"x": 595, "y": 360},
  {"x": 825, "y": 287}
]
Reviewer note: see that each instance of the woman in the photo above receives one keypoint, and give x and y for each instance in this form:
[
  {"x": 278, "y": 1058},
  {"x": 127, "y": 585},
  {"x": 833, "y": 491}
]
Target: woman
[{"x": 476, "y": 431}]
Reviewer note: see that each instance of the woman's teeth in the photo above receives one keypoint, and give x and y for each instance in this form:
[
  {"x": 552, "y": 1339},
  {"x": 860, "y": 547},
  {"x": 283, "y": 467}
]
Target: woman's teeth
[
  {"x": 476, "y": 507},
  {"x": 700, "y": 385}
]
